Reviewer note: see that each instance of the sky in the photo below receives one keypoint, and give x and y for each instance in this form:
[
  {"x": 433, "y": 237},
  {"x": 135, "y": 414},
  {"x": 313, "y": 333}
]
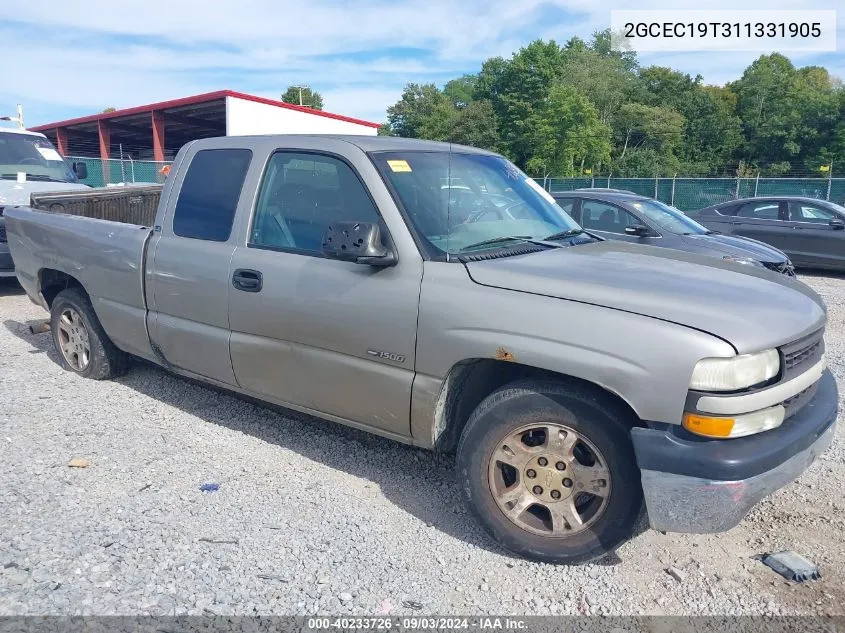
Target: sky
[{"x": 68, "y": 59}]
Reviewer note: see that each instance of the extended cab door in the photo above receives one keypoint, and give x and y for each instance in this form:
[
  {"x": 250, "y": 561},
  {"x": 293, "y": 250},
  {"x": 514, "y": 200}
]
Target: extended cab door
[
  {"x": 190, "y": 253},
  {"x": 331, "y": 336}
]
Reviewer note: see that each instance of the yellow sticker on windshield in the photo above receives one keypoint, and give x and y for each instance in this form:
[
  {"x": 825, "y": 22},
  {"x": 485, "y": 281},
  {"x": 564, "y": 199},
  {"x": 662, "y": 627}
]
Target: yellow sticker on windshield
[{"x": 399, "y": 165}]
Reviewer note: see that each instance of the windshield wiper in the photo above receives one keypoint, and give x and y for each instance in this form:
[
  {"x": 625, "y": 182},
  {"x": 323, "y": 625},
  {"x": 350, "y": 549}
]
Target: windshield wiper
[
  {"x": 563, "y": 234},
  {"x": 512, "y": 238}
]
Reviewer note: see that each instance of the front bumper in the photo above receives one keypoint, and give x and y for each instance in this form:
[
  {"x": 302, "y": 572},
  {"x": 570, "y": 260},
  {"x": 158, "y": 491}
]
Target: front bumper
[{"x": 700, "y": 485}]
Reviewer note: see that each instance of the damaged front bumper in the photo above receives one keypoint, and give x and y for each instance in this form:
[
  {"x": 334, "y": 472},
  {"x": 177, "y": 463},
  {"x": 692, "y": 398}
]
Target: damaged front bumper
[{"x": 699, "y": 485}]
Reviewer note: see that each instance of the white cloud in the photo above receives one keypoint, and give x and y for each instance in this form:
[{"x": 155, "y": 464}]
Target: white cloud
[{"x": 99, "y": 56}]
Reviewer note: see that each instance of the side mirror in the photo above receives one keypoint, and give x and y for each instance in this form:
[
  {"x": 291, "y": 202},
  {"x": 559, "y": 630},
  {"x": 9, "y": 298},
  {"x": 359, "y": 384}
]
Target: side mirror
[
  {"x": 638, "y": 229},
  {"x": 358, "y": 242},
  {"x": 837, "y": 224},
  {"x": 81, "y": 170}
]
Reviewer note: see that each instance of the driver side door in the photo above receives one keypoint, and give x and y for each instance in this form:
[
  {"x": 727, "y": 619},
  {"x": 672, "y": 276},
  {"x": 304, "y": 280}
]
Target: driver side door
[{"x": 330, "y": 336}]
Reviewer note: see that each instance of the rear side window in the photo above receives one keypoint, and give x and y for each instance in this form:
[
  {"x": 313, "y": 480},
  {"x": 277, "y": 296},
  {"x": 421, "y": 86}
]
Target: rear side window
[
  {"x": 760, "y": 210},
  {"x": 209, "y": 196}
]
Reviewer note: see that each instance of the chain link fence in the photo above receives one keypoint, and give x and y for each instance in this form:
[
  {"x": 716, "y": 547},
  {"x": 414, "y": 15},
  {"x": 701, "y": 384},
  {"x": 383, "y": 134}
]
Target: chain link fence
[
  {"x": 684, "y": 193},
  {"x": 114, "y": 171},
  {"x": 694, "y": 193}
]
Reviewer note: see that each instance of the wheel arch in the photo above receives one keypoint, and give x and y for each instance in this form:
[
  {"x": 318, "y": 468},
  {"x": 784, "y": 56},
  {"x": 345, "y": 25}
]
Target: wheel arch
[
  {"x": 471, "y": 380},
  {"x": 52, "y": 281}
]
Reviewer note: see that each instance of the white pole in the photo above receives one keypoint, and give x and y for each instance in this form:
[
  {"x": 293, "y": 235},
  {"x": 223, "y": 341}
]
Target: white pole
[
  {"x": 20, "y": 116},
  {"x": 829, "y": 180}
]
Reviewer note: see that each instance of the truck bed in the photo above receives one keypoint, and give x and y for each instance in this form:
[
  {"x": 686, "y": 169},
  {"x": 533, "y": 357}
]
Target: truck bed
[
  {"x": 130, "y": 204},
  {"x": 107, "y": 257}
]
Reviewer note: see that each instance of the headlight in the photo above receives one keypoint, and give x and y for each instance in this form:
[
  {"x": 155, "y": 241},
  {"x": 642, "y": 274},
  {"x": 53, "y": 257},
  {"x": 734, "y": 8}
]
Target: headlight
[
  {"x": 736, "y": 426},
  {"x": 738, "y": 372},
  {"x": 750, "y": 261}
]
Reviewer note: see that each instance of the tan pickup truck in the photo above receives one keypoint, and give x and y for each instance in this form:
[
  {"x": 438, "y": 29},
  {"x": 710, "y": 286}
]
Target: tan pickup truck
[{"x": 435, "y": 295}]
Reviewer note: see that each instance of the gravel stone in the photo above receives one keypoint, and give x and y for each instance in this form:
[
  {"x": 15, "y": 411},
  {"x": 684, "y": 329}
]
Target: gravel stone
[
  {"x": 676, "y": 573},
  {"x": 315, "y": 518}
]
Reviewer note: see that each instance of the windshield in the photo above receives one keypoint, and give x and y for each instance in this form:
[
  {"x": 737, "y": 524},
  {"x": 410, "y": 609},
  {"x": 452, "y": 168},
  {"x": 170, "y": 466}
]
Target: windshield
[
  {"x": 669, "y": 218},
  {"x": 457, "y": 200},
  {"x": 35, "y": 156}
]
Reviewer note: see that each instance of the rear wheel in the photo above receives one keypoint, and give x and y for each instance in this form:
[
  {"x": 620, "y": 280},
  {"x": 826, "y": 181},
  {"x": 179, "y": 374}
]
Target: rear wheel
[
  {"x": 84, "y": 347},
  {"x": 549, "y": 470}
]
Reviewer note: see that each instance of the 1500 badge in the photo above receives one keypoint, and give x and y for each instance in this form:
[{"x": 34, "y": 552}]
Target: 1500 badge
[{"x": 396, "y": 358}]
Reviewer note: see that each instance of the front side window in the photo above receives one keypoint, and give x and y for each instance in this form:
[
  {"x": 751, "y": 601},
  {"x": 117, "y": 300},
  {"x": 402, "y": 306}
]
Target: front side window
[
  {"x": 603, "y": 216},
  {"x": 35, "y": 156},
  {"x": 209, "y": 195},
  {"x": 456, "y": 200},
  {"x": 803, "y": 212},
  {"x": 301, "y": 195}
]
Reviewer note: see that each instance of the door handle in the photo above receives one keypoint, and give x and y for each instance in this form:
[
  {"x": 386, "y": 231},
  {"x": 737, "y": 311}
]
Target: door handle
[{"x": 247, "y": 280}]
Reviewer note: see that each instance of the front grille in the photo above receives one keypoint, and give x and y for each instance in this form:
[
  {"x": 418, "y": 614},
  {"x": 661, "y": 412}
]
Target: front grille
[
  {"x": 802, "y": 354},
  {"x": 2, "y": 233},
  {"x": 796, "y": 402}
]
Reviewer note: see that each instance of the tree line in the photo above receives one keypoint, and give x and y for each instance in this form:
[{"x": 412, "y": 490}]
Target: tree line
[{"x": 584, "y": 108}]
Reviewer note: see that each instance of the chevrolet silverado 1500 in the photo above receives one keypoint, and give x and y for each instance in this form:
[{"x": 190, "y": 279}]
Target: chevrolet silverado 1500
[{"x": 434, "y": 294}]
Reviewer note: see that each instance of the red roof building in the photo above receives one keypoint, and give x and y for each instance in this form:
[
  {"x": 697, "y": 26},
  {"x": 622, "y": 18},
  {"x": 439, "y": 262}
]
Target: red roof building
[{"x": 158, "y": 130}]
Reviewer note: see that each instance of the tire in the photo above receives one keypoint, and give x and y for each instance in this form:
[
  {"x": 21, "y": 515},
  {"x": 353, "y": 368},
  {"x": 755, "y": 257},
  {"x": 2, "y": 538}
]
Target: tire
[
  {"x": 80, "y": 340},
  {"x": 503, "y": 446}
]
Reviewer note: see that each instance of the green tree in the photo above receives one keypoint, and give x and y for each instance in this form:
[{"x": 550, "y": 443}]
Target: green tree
[
  {"x": 712, "y": 131},
  {"x": 606, "y": 78},
  {"x": 460, "y": 91},
  {"x": 566, "y": 135},
  {"x": 788, "y": 115},
  {"x": 517, "y": 90},
  {"x": 423, "y": 111},
  {"x": 109, "y": 109},
  {"x": 641, "y": 127},
  {"x": 475, "y": 125},
  {"x": 309, "y": 97}
]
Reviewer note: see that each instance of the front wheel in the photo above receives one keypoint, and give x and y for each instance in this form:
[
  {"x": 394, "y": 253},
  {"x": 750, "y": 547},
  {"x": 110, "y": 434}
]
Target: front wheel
[{"x": 549, "y": 471}]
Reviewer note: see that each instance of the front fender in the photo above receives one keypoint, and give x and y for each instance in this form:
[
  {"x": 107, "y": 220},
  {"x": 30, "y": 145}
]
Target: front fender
[{"x": 645, "y": 361}]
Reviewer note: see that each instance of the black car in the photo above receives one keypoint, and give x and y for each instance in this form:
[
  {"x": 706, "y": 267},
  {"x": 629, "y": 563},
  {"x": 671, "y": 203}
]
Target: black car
[
  {"x": 809, "y": 230},
  {"x": 634, "y": 218}
]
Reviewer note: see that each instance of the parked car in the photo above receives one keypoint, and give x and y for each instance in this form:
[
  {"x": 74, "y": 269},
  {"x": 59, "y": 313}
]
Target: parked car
[
  {"x": 620, "y": 215},
  {"x": 810, "y": 231},
  {"x": 572, "y": 376},
  {"x": 29, "y": 163}
]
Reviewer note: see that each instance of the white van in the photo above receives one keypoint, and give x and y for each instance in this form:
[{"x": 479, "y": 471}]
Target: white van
[{"x": 29, "y": 163}]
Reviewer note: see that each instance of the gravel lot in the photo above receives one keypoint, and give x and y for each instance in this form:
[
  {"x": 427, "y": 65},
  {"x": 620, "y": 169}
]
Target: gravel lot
[{"x": 311, "y": 517}]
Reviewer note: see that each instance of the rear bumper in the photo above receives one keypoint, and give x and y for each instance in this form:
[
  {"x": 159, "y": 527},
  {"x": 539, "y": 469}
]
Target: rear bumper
[{"x": 698, "y": 485}]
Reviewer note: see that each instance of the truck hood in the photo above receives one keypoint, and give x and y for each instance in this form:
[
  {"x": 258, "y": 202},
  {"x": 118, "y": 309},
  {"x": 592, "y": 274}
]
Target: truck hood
[
  {"x": 751, "y": 308},
  {"x": 734, "y": 246},
  {"x": 14, "y": 193}
]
